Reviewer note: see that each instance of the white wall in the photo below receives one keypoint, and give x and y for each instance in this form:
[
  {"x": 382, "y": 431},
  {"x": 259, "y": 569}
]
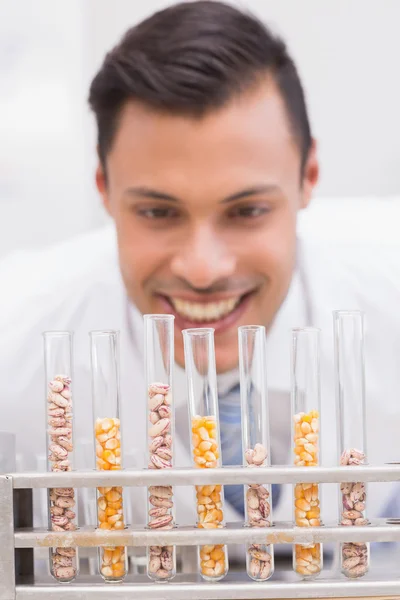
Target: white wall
[{"x": 347, "y": 52}]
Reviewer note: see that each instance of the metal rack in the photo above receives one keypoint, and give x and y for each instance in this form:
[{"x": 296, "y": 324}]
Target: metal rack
[{"x": 17, "y": 540}]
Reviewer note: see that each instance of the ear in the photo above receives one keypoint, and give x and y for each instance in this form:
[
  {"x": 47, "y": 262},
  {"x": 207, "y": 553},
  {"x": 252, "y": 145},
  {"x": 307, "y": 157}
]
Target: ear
[
  {"x": 101, "y": 184},
  {"x": 310, "y": 175}
]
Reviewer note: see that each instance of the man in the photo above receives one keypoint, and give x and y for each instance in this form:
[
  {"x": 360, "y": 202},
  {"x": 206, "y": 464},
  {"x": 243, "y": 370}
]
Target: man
[{"x": 205, "y": 158}]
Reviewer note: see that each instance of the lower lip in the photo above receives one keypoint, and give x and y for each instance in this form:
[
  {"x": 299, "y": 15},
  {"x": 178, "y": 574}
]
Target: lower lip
[{"x": 220, "y": 326}]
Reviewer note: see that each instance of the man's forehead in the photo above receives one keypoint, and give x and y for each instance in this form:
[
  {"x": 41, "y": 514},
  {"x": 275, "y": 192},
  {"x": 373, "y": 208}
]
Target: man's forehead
[{"x": 258, "y": 115}]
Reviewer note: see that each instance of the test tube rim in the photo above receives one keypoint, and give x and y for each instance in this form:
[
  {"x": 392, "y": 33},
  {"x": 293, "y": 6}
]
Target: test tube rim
[
  {"x": 103, "y": 332},
  {"x": 156, "y": 316},
  {"x": 59, "y": 332},
  {"x": 251, "y": 328},
  {"x": 348, "y": 313},
  {"x": 307, "y": 329},
  {"x": 198, "y": 331}
]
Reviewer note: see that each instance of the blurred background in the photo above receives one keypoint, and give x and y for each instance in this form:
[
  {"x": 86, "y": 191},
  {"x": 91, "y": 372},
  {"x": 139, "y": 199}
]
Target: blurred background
[{"x": 347, "y": 52}]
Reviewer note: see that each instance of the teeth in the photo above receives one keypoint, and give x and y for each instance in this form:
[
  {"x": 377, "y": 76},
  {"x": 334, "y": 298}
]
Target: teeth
[{"x": 211, "y": 311}]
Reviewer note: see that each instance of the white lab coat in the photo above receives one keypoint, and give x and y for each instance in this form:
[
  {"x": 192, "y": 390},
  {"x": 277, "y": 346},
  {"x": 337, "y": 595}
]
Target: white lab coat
[{"x": 77, "y": 286}]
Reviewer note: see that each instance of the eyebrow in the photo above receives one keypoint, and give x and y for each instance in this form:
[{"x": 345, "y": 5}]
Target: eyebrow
[{"x": 145, "y": 192}]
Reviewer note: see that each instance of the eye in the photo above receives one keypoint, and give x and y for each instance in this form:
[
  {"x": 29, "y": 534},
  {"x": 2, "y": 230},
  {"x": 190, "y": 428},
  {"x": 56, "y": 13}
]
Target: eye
[
  {"x": 249, "y": 211},
  {"x": 157, "y": 213}
]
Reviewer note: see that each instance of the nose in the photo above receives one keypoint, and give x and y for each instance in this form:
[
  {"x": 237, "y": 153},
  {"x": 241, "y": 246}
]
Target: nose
[{"x": 203, "y": 259}]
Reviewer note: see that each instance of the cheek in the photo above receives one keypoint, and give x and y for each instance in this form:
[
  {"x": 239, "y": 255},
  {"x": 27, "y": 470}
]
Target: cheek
[
  {"x": 139, "y": 253},
  {"x": 272, "y": 249}
]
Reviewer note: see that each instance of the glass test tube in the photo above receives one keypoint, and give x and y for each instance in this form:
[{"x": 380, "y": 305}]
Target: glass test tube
[
  {"x": 306, "y": 399},
  {"x": 203, "y": 415},
  {"x": 60, "y": 446},
  {"x": 104, "y": 347},
  {"x": 351, "y": 423},
  {"x": 159, "y": 361},
  {"x": 256, "y": 443}
]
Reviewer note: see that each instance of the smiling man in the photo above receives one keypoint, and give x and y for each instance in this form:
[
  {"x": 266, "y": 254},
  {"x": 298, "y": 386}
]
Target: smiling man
[{"x": 205, "y": 160}]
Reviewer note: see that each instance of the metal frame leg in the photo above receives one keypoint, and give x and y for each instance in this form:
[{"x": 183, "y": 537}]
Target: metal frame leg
[
  {"x": 7, "y": 569},
  {"x": 23, "y": 517}
]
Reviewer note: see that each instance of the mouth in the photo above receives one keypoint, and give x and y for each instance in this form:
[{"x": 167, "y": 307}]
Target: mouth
[{"x": 219, "y": 314}]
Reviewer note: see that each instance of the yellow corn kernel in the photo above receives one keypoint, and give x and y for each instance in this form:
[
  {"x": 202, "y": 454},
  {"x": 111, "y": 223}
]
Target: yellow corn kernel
[
  {"x": 307, "y": 419},
  {"x": 101, "y": 516},
  {"x": 118, "y": 569},
  {"x": 106, "y": 424},
  {"x": 316, "y": 551},
  {"x": 114, "y": 519},
  {"x": 107, "y": 571},
  {"x": 209, "y": 564},
  {"x": 300, "y": 562},
  {"x": 109, "y": 457},
  {"x": 211, "y": 516},
  {"x": 300, "y": 514},
  {"x": 308, "y": 495},
  {"x": 217, "y": 554},
  {"x": 215, "y": 496},
  {"x": 112, "y": 444},
  {"x": 305, "y": 554},
  {"x": 113, "y": 496},
  {"x": 112, "y": 433},
  {"x": 200, "y": 460},
  {"x": 101, "y": 503},
  {"x": 302, "y": 504},
  {"x": 209, "y": 456},
  {"x": 208, "y": 490},
  {"x": 314, "y": 513},
  {"x": 205, "y": 446},
  {"x": 107, "y": 557},
  {"x": 197, "y": 452},
  {"x": 298, "y": 492},
  {"x": 303, "y": 523},
  {"x": 203, "y": 499},
  {"x": 310, "y": 448},
  {"x": 306, "y": 457},
  {"x": 210, "y": 525},
  {"x": 119, "y": 525},
  {"x": 105, "y": 525},
  {"x": 203, "y": 433},
  {"x": 102, "y": 465},
  {"x": 305, "y": 428},
  {"x": 195, "y": 440}
]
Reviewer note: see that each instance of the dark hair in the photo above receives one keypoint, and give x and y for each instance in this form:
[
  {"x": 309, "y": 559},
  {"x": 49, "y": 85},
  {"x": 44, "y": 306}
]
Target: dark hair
[{"x": 189, "y": 59}]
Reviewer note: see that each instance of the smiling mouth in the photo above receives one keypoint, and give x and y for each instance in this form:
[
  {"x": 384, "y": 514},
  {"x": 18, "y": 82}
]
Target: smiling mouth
[{"x": 215, "y": 314}]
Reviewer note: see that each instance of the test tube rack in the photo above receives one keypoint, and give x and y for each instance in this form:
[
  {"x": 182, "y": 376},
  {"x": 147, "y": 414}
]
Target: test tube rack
[{"x": 17, "y": 542}]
